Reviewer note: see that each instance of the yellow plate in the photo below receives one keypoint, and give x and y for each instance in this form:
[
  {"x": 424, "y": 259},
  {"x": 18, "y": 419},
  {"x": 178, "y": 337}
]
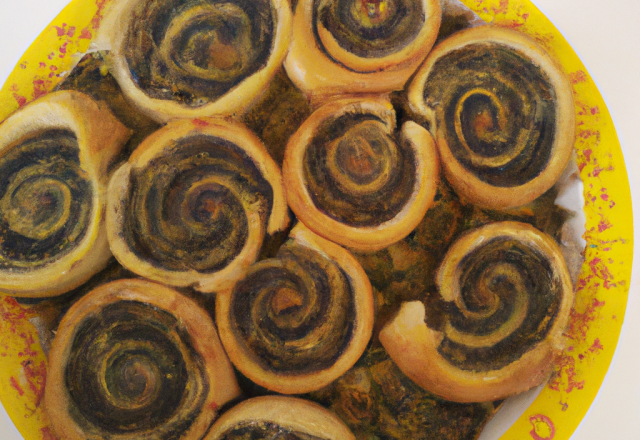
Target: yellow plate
[{"x": 604, "y": 281}]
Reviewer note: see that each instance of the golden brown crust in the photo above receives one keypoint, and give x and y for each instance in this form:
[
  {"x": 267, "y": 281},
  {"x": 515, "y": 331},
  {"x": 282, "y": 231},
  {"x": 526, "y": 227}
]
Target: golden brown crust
[
  {"x": 296, "y": 415},
  {"x": 113, "y": 34},
  {"x": 202, "y": 336},
  {"x": 100, "y": 137},
  {"x": 465, "y": 181},
  {"x": 372, "y": 236},
  {"x": 309, "y": 378},
  {"x": 157, "y": 146},
  {"x": 418, "y": 349},
  {"x": 321, "y": 67}
]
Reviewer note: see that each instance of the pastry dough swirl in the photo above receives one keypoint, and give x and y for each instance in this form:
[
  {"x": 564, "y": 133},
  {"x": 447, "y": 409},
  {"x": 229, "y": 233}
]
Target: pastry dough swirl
[
  {"x": 54, "y": 159},
  {"x": 508, "y": 295},
  {"x": 134, "y": 359},
  {"x": 195, "y": 58},
  {"x": 356, "y": 180},
  {"x": 502, "y": 113},
  {"x": 355, "y": 46},
  {"x": 194, "y": 203},
  {"x": 298, "y": 321}
]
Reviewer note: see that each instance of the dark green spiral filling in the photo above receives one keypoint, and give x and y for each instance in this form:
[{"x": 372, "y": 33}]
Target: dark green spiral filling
[
  {"x": 501, "y": 105},
  {"x": 263, "y": 431},
  {"x": 357, "y": 172},
  {"x": 195, "y": 51},
  {"x": 296, "y": 312},
  {"x": 45, "y": 200},
  {"x": 543, "y": 289},
  {"x": 127, "y": 373},
  {"x": 370, "y": 28},
  {"x": 182, "y": 211}
]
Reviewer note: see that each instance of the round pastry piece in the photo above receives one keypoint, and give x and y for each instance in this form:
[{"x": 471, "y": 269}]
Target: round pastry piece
[
  {"x": 354, "y": 179},
  {"x": 298, "y": 321},
  {"x": 356, "y": 46},
  {"x": 134, "y": 359},
  {"x": 195, "y": 58},
  {"x": 502, "y": 113},
  {"x": 510, "y": 296},
  {"x": 54, "y": 159},
  {"x": 279, "y": 417},
  {"x": 193, "y": 204}
]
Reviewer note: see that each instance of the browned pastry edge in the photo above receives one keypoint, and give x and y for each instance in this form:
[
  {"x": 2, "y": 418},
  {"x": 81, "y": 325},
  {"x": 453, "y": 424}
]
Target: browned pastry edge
[{"x": 291, "y": 414}]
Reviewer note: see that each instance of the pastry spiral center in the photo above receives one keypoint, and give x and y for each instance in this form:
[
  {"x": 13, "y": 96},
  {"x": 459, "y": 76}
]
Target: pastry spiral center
[
  {"x": 209, "y": 205},
  {"x": 357, "y": 172},
  {"x": 373, "y": 12},
  {"x": 189, "y": 208},
  {"x": 285, "y": 300},
  {"x": 133, "y": 380},
  {"x": 294, "y": 313},
  {"x": 211, "y": 42},
  {"x": 481, "y": 127},
  {"x": 361, "y": 160},
  {"x": 496, "y": 111},
  {"x": 39, "y": 207},
  {"x": 508, "y": 300}
]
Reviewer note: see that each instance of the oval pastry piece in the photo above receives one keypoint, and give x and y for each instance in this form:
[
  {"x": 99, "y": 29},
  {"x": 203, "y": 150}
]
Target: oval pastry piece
[
  {"x": 356, "y": 46},
  {"x": 134, "y": 359},
  {"x": 508, "y": 295},
  {"x": 502, "y": 113},
  {"x": 193, "y": 204},
  {"x": 187, "y": 59},
  {"x": 54, "y": 158},
  {"x": 298, "y": 321},
  {"x": 275, "y": 417},
  {"x": 354, "y": 179}
]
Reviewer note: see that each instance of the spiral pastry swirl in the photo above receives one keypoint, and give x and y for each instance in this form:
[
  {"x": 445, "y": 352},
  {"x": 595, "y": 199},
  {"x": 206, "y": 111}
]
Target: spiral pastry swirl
[
  {"x": 134, "y": 359},
  {"x": 510, "y": 295},
  {"x": 353, "y": 179},
  {"x": 298, "y": 321},
  {"x": 194, "y": 58},
  {"x": 279, "y": 417},
  {"x": 194, "y": 203},
  {"x": 502, "y": 113},
  {"x": 355, "y": 46},
  {"x": 54, "y": 156}
]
